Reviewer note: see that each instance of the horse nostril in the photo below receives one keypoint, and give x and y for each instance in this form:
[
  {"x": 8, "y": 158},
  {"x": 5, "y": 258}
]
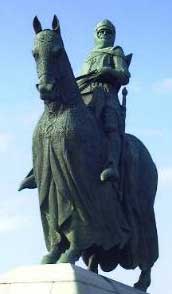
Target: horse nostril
[
  {"x": 50, "y": 87},
  {"x": 41, "y": 88},
  {"x": 45, "y": 88}
]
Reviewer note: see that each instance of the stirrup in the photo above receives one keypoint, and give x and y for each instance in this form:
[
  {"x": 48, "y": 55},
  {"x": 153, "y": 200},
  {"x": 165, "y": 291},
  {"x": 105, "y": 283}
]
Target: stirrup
[{"x": 109, "y": 173}]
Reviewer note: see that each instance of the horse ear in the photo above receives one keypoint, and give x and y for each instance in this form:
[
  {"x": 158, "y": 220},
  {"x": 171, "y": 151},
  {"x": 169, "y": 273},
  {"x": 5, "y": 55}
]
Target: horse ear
[
  {"x": 37, "y": 25},
  {"x": 55, "y": 23}
]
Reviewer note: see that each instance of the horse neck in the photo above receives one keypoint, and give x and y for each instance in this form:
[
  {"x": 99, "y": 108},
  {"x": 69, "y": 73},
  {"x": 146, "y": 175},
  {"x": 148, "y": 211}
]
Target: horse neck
[{"x": 69, "y": 90}]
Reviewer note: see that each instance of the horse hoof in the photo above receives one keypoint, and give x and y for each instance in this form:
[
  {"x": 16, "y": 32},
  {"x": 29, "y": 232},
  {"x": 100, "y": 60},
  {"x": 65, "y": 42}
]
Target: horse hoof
[
  {"x": 47, "y": 260},
  {"x": 144, "y": 280},
  {"x": 140, "y": 286},
  {"x": 51, "y": 257}
]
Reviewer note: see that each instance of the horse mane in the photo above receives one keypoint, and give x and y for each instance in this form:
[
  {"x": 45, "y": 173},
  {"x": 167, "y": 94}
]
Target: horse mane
[{"x": 66, "y": 80}]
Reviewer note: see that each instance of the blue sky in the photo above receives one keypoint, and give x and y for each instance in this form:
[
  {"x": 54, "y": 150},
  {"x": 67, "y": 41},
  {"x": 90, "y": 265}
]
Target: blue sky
[{"x": 143, "y": 28}]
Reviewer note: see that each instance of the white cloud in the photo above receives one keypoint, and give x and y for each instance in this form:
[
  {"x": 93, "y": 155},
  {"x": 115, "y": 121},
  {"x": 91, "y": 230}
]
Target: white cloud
[
  {"x": 12, "y": 223},
  {"x": 5, "y": 140},
  {"x": 163, "y": 87}
]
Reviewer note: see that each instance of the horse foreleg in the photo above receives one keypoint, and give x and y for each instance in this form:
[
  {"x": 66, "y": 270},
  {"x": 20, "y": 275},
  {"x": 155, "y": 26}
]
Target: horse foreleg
[
  {"x": 93, "y": 264},
  {"x": 70, "y": 256},
  {"x": 144, "y": 280},
  {"x": 54, "y": 255}
]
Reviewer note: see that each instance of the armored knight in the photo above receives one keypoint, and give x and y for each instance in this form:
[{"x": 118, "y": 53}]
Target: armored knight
[{"x": 103, "y": 73}]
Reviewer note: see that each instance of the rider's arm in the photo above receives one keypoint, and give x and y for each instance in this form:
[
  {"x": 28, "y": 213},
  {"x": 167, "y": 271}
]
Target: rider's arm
[
  {"x": 121, "y": 66},
  {"x": 116, "y": 70}
]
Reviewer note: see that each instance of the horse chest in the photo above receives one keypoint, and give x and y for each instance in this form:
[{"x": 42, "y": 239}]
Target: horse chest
[
  {"x": 50, "y": 126},
  {"x": 74, "y": 128}
]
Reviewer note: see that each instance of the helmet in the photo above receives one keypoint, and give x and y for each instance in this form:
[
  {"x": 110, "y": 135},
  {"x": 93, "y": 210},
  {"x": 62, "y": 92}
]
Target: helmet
[
  {"x": 106, "y": 40},
  {"x": 105, "y": 24}
]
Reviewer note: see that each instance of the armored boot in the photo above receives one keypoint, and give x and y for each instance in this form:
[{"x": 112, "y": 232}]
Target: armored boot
[{"x": 111, "y": 171}]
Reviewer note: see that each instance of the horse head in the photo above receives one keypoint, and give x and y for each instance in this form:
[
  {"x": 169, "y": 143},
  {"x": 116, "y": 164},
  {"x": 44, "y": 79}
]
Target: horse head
[{"x": 48, "y": 45}]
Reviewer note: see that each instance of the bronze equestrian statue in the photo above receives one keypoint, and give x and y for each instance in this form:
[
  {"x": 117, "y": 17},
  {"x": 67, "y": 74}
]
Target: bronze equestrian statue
[{"x": 83, "y": 214}]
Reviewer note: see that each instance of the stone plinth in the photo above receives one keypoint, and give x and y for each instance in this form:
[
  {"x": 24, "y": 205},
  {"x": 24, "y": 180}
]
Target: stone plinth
[{"x": 59, "y": 279}]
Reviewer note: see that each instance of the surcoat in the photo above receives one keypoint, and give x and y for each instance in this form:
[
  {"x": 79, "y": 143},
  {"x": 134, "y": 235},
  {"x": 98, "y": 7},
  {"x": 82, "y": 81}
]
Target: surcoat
[{"x": 103, "y": 73}]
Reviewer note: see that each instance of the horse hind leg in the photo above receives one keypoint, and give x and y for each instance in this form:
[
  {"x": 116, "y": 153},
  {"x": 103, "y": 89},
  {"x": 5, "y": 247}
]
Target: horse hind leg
[
  {"x": 89, "y": 257},
  {"x": 144, "y": 280},
  {"x": 93, "y": 264}
]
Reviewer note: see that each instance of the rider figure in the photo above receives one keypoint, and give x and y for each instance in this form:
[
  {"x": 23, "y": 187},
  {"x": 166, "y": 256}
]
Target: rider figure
[{"x": 103, "y": 73}]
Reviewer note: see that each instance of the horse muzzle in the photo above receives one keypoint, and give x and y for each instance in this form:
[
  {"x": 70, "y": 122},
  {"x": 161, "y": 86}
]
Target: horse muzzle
[{"x": 47, "y": 91}]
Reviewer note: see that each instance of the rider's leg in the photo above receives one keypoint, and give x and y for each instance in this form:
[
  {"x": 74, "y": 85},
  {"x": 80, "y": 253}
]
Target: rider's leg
[
  {"x": 112, "y": 122},
  {"x": 111, "y": 170}
]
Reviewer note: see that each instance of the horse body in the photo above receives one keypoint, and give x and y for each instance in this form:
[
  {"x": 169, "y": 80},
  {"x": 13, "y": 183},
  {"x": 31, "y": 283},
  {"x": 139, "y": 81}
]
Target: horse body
[
  {"x": 140, "y": 185},
  {"x": 67, "y": 169},
  {"x": 78, "y": 211},
  {"x": 139, "y": 190}
]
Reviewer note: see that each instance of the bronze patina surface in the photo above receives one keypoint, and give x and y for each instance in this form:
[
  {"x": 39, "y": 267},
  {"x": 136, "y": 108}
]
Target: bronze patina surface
[{"x": 108, "y": 219}]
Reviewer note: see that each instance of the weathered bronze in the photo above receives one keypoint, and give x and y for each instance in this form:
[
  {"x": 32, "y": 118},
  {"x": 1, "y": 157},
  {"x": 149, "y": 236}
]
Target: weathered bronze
[{"x": 82, "y": 215}]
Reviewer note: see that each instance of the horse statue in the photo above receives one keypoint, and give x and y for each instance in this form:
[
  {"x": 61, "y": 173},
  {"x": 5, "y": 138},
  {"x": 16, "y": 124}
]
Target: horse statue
[{"x": 82, "y": 216}]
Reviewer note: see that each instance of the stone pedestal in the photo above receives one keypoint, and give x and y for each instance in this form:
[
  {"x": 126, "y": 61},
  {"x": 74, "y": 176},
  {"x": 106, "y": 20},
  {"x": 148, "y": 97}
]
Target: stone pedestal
[{"x": 59, "y": 279}]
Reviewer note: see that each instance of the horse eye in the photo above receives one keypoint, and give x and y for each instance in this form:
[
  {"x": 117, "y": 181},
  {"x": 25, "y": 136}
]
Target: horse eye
[{"x": 35, "y": 54}]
